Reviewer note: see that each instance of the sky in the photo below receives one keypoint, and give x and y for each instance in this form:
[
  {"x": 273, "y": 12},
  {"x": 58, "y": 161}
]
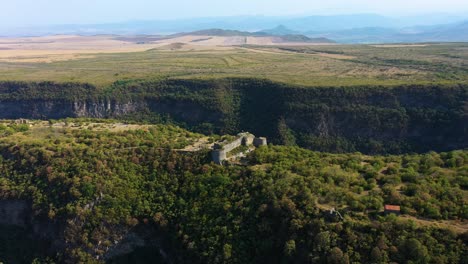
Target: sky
[{"x": 16, "y": 13}]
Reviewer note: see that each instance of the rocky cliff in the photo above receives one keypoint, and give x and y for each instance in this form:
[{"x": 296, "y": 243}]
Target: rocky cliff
[{"x": 367, "y": 119}]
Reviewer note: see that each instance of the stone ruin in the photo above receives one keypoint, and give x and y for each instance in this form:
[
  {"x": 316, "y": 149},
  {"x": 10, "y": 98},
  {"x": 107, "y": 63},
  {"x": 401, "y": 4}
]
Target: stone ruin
[
  {"x": 21, "y": 121},
  {"x": 221, "y": 149}
]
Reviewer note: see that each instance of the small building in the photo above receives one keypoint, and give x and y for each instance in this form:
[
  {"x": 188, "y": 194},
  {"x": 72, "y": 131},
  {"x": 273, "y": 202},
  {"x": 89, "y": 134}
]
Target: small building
[{"x": 392, "y": 209}]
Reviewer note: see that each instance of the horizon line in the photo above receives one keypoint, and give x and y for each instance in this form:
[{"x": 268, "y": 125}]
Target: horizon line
[{"x": 394, "y": 16}]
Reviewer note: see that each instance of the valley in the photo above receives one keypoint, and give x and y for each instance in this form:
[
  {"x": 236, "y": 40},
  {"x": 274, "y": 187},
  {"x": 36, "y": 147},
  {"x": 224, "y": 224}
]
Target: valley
[
  {"x": 107, "y": 142},
  {"x": 370, "y": 119}
]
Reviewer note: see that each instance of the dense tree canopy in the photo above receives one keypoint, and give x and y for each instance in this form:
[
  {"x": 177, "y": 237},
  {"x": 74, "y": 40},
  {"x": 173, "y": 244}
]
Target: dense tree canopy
[{"x": 98, "y": 185}]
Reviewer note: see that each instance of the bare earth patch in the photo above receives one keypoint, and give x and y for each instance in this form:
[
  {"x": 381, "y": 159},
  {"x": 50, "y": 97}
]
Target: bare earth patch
[
  {"x": 335, "y": 56},
  {"x": 399, "y": 45},
  {"x": 457, "y": 226}
]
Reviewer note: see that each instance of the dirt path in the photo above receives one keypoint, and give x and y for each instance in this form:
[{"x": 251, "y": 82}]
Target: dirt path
[
  {"x": 457, "y": 226},
  {"x": 283, "y": 52},
  {"x": 276, "y": 52},
  {"x": 202, "y": 143}
]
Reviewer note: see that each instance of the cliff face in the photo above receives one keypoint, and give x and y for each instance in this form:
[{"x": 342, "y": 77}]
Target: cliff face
[
  {"x": 43, "y": 237},
  {"x": 366, "y": 119},
  {"x": 25, "y": 236},
  {"x": 18, "y": 213},
  {"x": 14, "y": 212},
  {"x": 55, "y": 109},
  {"x": 35, "y": 109},
  {"x": 380, "y": 120}
]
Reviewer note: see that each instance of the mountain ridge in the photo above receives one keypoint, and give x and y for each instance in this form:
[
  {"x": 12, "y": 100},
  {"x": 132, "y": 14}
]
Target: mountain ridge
[
  {"x": 236, "y": 33},
  {"x": 347, "y": 28},
  {"x": 455, "y": 32}
]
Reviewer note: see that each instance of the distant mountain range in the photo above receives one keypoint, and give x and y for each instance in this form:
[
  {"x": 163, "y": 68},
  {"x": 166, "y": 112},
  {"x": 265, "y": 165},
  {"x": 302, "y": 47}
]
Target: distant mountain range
[
  {"x": 358, "y": 28},
  {"x": 281, "y": 30},
  {"x": 456, "y": 32},
  {"x": 280, "y": 36}
]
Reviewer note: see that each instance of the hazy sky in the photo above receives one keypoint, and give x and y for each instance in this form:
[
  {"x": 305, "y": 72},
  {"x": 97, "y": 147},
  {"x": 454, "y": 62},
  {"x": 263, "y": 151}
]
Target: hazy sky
[{"x": 41, "y": 12}]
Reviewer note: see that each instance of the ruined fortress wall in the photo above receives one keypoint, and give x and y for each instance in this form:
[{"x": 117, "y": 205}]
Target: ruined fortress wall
[
  {"x": 249, "y": 139},
  {"x": 236, "y": 143},
  {"x": 218, "y": 156},
  {"x": 260, "y": 141}
]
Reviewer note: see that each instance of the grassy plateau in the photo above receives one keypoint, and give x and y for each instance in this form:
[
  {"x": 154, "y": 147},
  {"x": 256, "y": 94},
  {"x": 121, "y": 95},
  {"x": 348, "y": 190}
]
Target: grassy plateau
[{"x": 337, "y": 65}]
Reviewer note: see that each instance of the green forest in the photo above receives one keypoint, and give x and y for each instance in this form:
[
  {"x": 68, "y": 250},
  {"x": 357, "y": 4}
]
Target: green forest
[{"x": 87, "y": 185}]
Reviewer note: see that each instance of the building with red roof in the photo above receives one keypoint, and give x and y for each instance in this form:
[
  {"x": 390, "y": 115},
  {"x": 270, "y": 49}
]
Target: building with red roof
[{"x": 394, "y": 209}]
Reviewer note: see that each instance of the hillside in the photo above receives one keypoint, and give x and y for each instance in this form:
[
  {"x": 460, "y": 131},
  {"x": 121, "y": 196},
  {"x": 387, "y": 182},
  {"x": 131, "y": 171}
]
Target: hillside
[
  {"x": 280, "y": 30},
  {"x": 223, "y": 33},
  {"x": 274, "y": 37},
  {"x": 456, "y": 32},
  {"x": 94, "y": 191}
]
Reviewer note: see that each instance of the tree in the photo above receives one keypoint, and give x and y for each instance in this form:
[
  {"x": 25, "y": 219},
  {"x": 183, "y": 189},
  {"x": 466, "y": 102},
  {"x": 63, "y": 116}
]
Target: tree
[
  {"x": 376, "y": 255},
  {"x": 227, "y": 250},
  {"x": 289, "y": 247},
  {"x": 415, "y": 251},
  {"x": 285, "y": 133},
  {"x": 322, "y": 241},
  {"x": 337, "y": 256}
]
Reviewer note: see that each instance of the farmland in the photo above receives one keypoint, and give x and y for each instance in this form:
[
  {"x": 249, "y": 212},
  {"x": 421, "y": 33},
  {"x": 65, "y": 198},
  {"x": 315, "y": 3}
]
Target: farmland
[{"x": 103, "y": 62}]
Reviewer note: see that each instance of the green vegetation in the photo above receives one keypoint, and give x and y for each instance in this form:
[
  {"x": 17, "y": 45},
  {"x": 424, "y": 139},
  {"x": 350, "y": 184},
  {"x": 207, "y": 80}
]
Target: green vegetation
[
  {"x": 428, "y": 185},
  {"x": 332, "y": 65},
  {"x": 238, "y": 150},
  {"x": 9, "y": 129},
  {"x": 98, "y": 184}
]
